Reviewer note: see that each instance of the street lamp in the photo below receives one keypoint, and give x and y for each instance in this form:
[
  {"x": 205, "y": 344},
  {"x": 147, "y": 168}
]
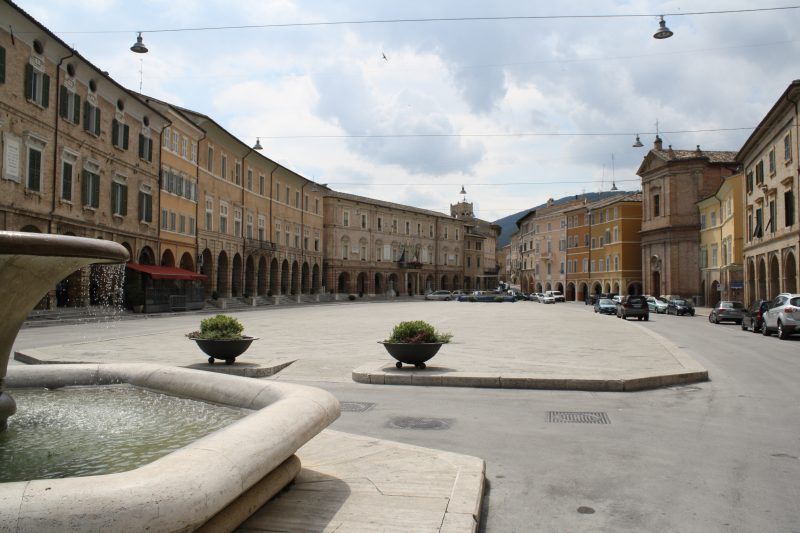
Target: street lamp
[{"x": 139, "y": 47}]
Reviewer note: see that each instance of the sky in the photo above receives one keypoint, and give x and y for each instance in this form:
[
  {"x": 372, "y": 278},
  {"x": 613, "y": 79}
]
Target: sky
[{"x": 516, "y": 110}]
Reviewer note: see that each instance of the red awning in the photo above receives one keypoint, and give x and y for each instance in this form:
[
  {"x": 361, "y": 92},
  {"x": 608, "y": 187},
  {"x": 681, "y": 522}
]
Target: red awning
[{"x": 163, "y": 272}]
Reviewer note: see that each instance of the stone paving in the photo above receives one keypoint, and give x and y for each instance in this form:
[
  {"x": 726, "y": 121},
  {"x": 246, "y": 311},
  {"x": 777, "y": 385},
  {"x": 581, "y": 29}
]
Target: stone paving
[{"x": 360, "y": 484}]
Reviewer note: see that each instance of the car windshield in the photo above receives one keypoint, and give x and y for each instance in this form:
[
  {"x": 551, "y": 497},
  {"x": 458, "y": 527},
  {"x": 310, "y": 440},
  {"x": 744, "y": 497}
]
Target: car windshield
[
  {"x": 678, "y": 302},
  {"x": 795, "y": 301},
  {"x": 731, "y": 305},
  {"x": 606, "y": 301}
]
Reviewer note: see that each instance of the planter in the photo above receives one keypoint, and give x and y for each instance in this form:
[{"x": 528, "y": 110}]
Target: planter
[
  {"x": 226, "y": 349},
  {"x": 411, "y": 353}
]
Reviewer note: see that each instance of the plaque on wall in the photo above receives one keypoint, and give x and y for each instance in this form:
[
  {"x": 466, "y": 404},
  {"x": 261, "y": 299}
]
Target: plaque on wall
[{"x": 11, "y": 146}]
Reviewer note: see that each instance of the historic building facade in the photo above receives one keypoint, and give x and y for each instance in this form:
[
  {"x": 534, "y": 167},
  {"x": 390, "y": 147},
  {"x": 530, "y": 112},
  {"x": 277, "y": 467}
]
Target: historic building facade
[
  {"x": 374, "y": 247},
  {"x": 578, "y": 239},
  {"x": 673, "y": 181},
  {"x": 79, "y": 152},
  {"x": 481, "y": 271},
  {"x": 771, "y": 165},
  {"x": 721, "y": 235}
]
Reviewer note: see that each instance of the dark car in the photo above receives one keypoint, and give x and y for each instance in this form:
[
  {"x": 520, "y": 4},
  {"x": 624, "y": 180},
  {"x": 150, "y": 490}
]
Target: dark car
[
  {"x": 633, "y": 305},
  {"x": 605, "y": 306},
  {"x": 679, "y": 307},
  {"x": 727, "y": 310},
  {"x": 753, "y": 316}
]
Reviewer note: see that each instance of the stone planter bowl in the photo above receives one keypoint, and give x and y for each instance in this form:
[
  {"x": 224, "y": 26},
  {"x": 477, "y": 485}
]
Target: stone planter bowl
[
  {"x": 226, "y": 349},
  {"x": 411, "y": 353}
]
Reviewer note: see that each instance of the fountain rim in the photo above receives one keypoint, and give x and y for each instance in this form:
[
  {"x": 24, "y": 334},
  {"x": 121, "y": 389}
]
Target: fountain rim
[{"x": 52, "y": 245}]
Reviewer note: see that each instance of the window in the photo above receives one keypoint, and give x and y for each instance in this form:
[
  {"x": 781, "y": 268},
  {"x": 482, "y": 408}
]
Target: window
[
  {"x": 2, "y": 65},
  {"x": 749, "y": 182},
  {"x": 713, "y": 219},
  {"x": 419, "y": 228},
  {"x": 223, "y": 218},
  {"x": 702, "y": 221},
  {"x": 119, "y": 198},
  {"x": 210, "y": 160},
  {"x": 787, "y": 147},
  {"x": 191, "y": 226},
  {"x": 261, "y": 228},
  {"x": 172, "y": 220},
  {"x": 182, "y": 224},
  {"x": 788, "y": 208},
  {"x": 363, "y": 221},
  {"x": 165, "y": 136},
  {"x": 758, "y": 231},
  {"x": 194, "y": 152},
  {"x": 175, "y": 139},
  {"x": 184, "y": 147},
  {"x": 714, "y": 255},
  {"x": 119, "y": 134},
  {"x": 297, "y": 199},
  {"x": 772, "y": 216},
  {"x": 277, "y": 232},
  {"x": 772, "y": 161},
  {"x": 66, "y": 180},
  {"x": 316, "y": 205},
  {"x": 37, "y": 86},
  {"x": 223, "y": 166},
  {"x": 616, "y": 263},
  {"x": 249, "y": 179},
  {"x": 616, "y": 234},
  {"x": 408, "y": 228},
  {"x": 261, "y": 185},
  {"x": 346, "y": 219},
  {"x": 656, "y": 205},
  {"x": 585, "y": 265},
  {"x": 90, "y": 189},
  {"x": 287, "y": 196},
  {"x": 237, "y": 173},
  {"x": 305, "y": 203},
  {"x": 164, "y": 219},
  {"x": 445, "y": 232},
  {"x": 237, "y": 222},
  {"x": 549, "y": 268},
  {"x": 430, "y": 231},
  {"x": 380, "y": 223},
  {"x": 34, "y": 169},
  {"x": 145, "y": 206},
  {"x": 91, "y": 118},
  {"x": 145, "y": 148},
  {"x": 345, "y": 247},
  {"x": 69, "y": 105},
  {"x": 249, "y": 225},
  {"x": 394, "y": 225},
  {"x": 760, "y": 172}
]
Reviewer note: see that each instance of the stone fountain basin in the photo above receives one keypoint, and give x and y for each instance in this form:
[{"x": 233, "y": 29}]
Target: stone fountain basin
[{"x": 184, "y": 490}]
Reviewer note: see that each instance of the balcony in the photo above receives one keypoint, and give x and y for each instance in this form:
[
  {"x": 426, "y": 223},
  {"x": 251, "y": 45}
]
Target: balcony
[
  {"x": 410, "y": 264},
  {"x": 255, "y": 244}
]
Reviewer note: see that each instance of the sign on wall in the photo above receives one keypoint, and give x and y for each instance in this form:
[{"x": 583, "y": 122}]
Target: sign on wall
[{"x": 11, "y": 146}]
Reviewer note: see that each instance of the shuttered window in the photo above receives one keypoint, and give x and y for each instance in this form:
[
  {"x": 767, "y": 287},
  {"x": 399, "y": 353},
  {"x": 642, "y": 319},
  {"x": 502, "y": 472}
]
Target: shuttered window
[
  {"x": 91, "y": 118},
  {"x": 34, "y": 169},
  {"x": 145, "y": 148},
  {"x": 37, "y": 86},
  {"x": 119, "y": 198},
  {"x": 90, "y": 189},
  {"x": 119, "y": 134},
  {"x": 69, "y": 105},
  {"x": 2, "y": 65},
  {"x": 145, "y": 207}
]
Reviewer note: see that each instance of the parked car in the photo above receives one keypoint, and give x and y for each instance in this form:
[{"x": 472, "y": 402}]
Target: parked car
[
  {"x": 633, "y": 305},
  {"x": 558, "y": 296},
  {"x": 517, "y": 295},
  {"x": 753, "y": 316},
  {"x": 547, "y": 298},
  {"x": 439, "y": 295},
  {"x": 783, "y": 316},
  {"x": 605, "y": 306},
  {"x": 727, "y": 310},
  {"x": 485, "y": 296},
  {"x": 656, "y": 305},
  {"x": 536, "y": 296},
  {"x": 679, "y": 307}
]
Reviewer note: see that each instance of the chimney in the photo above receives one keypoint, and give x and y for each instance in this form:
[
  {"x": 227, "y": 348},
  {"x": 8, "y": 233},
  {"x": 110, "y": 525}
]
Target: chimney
[{"x": 657, "y": 144}]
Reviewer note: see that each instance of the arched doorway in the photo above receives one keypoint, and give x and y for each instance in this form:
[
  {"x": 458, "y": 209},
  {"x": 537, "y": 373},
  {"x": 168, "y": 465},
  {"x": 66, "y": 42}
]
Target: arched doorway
[
  {"x": 261, "y": 284},
  {"x": 187, "y": 262},
  {"x": 583, "y": 292},
  {"x": 250, "y": 276},
  {"x": 635, "y": 288},
  {"x": 774, "y": 277},
  {"x": 751, "y": 281},
  {"x": 343, "y": 283},
  {"x": 761, "y": 293},
  {"x": 429, "y": 283},
  {"x": 547, "y": 287},
  {"x": 378, "y": 288},
  {"x": 790, "y": 274},
  {"x": 456, "y": 284},
  {"x": 274, "y": 281},
  {"x": 147, "y": 257},
  {"x": 597, "y": 288},
  {"x": 570, "y": 295},
  {"x": 538, "y": 287},
  {"x": 304, "y": 279},
  {"x": 295, "y": 286},
  {"x": 236, "y": 278},
  {"x": 444, "y": 286},
  {"x": 392, "y": 285},
  {"x": 655, "y": 286},
  {"x": 30, "y": 229},
  {"x": 207, "y": 269},
  {"x": 315, "y": 280},
  {"x": 167, "y": 259},
  {"x": 361, "y": 284},
  {"x": 713, "y": 294},
  {"x": 616, "y": 287},
  {"x": 560, "y": 287},
  {"x": 223, "y": 278},
  {"x": 284, "y": 277}
]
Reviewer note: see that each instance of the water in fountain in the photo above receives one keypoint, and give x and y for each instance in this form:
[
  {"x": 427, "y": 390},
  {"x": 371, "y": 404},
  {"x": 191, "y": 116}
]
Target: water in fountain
[{"x": 84, "y": 431}]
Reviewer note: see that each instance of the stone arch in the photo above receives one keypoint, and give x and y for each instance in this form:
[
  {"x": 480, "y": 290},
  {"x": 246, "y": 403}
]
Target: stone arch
[
  {"x": 392, "y": 283},
  {"x": 343, "y": 283},
  {"x": 284, "y": 281},
  {"x": 456, "y": 284},
  {"x": 30, "y": 228},
  {"x": 761, "y": 292},
  {"x": 538, "y": 286},
  {"x": 790, "y": 273},
  {"x": 315, "y": 279},
  {"x": 560, "y": 287},
  {"x": 583, "y": 291},
  {"x": 713, "y": 294},
  {"x": 236, "y": 276},
  {"x": 597, "y": 288},
  {"x": 223, "y": 278},
  {"x": 187, "y": 261},
  {"x": 751, "y": 281},
  {"x": 443, "y": 284},
  {"x": 635, "y": 288},
  {"x": 274, "y": 277},
  {"x": 774, "y": 277},
  {"x": 261, "y": 277},
  {"x": 378, "y": 288},
  {"x": 570, "y": 294},
  {"x": 250, "y": 276},
  {"x": 167, "y": 258},
  {"x": 305, "y": 279},
  {"x": 361, "y": 284},
  {"x": 655, "y": 285},
  {"x": 146, "y": 256},
  {"x": 295, "y": 284},
  {"x": 616, "y": 287},
  {"x": 547, "y": 287},
  {"x": 607, "y": 287}
]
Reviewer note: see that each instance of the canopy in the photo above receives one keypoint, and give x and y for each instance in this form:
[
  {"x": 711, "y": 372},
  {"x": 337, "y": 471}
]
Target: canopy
[{"x": 164, "y": 272}]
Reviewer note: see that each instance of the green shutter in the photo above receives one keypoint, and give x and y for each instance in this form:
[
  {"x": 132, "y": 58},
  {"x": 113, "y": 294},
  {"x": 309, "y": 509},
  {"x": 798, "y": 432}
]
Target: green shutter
[
  {"x": 150, "y": 150},
  {"x": 125, "y": 135},
  {"x": 86, "y": 114},
  {"x": 45, "y": 90},
  {"x": 28, "y": 81},
  {"x": 34, "y": 169},
  {"x": 63, "y": 102},
  {"x": 148, "y": 210},
  {"x": 97, "y": 120},
  {"x": 85, "y": 187},
  {"x": 76, "y": 117},
  {"x": 141, "y": 146},
  {"x": 96, "y": 187},
  {"x": 124, "y": 200},
  {"x": 114, "y": 132},
  {"x": 141, "y": 205},
  {"x": 2, "y": 65}
]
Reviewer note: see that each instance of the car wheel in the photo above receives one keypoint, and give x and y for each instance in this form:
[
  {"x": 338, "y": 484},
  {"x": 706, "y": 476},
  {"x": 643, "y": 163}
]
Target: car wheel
[
  {"x": 646, "y": 318},
  {"x": 764, "y": 329},
  {"x": 447, "y": 299},
  {"x": 782, "y": 334},
  {"x": 710, "y": 319}
]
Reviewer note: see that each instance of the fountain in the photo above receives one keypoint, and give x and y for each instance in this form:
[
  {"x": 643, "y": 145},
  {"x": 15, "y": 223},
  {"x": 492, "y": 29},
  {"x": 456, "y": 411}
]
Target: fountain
[{"x": 211, "y": 484}]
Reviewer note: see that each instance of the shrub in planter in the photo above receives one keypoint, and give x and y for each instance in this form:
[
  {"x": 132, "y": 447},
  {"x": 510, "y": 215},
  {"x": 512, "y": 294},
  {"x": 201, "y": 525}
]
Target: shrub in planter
[
  {"x": 351, "y": 297},
  {"x": 498, "y": 298},
  {"x": 414, "y": 342},
  {"x": 472, "y": 299},
  {"x": 221, "y": 337}
]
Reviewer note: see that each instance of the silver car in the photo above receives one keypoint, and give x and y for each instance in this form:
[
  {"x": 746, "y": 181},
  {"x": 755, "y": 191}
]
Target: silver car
[
  {"x": 439, "y": 295},
  {"x": 656, "y": 305},
  {"x": 727, "y": 310},
  {"x": 783, "y": 316}
]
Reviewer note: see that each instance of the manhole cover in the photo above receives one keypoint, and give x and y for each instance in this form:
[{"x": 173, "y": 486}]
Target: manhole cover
[
  {"x": 356, "y": 407},
  {"x": 578, "y": 417},
  {"x": 409, "y": 422}
]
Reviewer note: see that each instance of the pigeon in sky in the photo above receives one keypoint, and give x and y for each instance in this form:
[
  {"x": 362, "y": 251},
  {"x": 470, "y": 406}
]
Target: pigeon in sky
[{"x": 384, "y": 56}]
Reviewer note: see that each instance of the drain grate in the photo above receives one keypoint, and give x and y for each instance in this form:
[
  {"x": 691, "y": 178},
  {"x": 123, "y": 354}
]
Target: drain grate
[
  {"x": 409, "y": 422},
  {"x": 356, "y": 407},
  {"x": 578, "y": 417}
]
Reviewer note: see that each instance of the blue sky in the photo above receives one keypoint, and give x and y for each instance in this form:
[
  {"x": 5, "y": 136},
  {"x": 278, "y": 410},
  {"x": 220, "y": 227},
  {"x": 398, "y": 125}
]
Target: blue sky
[{"x": 468, "y": 86}]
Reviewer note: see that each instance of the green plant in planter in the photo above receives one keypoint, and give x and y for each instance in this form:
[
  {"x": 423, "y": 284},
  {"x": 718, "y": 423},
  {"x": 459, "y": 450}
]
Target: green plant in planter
[
  {"x": 219, "y": 327},
  {"x": 417, "y": 332},
  {"x": 472, "y": 298},
  {"x": 498, "y": 298}
]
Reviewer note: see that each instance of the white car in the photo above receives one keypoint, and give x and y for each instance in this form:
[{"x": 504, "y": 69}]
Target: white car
[
  {"x": 547, "y": 298},
  {"x": 656, "y": 305},
  {"x": 556, "y": 295},
  {"x": 783, "y": 316},
  {"x": 439, "y": 295}
]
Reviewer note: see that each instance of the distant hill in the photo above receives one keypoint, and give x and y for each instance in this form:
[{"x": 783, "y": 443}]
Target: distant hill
[{"x": 509, "y": 223}]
